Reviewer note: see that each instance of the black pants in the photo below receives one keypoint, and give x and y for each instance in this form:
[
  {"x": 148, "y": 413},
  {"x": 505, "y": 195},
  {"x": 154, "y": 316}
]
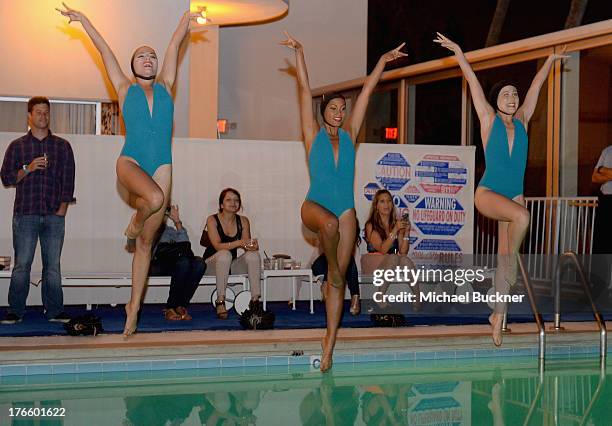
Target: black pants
[
  {"x": 602, "y": 241},
  {"x": 185, "y": 274},
  {"x": 319, "y": 267}
]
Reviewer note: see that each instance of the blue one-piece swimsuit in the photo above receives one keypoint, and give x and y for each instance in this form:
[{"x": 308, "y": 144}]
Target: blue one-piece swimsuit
[
  {"x": 148, "y": 136},
  {"x": 505, "y": 172},
  {"x": 331, "y": 185}
]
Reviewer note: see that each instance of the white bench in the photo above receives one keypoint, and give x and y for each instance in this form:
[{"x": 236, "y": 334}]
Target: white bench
[{"x": 91, "y": 288}]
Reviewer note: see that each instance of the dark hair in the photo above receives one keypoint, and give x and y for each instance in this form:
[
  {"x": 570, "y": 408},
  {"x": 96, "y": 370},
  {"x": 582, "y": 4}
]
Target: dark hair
[
  {"x": 37, "y": 100},
  {"x": 326, "y": 98},
  {"x": 374, "y": 218},
  {"x": 224, "y": 193},
  {"x": 494, "y": 91}
]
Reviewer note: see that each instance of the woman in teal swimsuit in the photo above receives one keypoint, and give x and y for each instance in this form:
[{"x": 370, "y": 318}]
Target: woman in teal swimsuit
[
  {"x": 499, "y": 195},
  {"x": 329, "y": 208},
  {"x": 144, "y": 167}
]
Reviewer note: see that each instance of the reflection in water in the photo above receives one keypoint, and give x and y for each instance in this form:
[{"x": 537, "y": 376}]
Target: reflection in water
[{"x": 449, "y": 393}]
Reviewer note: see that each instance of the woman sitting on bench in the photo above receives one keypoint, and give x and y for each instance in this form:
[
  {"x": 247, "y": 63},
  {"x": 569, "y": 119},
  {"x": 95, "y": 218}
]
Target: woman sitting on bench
[{"x": 226, "y": 232}]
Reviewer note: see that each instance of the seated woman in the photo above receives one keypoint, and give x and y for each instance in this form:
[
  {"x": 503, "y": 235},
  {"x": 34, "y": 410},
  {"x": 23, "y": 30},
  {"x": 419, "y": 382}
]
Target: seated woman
[
  {"x": 319, "y": 267},
  {"x": 388, "y": 239},
  {"x": 224, "y": 234}
]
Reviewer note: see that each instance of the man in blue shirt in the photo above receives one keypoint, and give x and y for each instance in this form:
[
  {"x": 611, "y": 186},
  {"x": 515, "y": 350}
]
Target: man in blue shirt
[
  {"x": 172, "y": 256},
  {"x": 41, "y": 167}
]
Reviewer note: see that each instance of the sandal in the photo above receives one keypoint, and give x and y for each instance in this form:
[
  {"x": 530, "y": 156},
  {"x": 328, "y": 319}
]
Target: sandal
[
  {"x": 355, "y": 305},
  {"x": 221, "y": 310},
  {"x": 183, "y": 313},
  {"x": 171, "y": 315}
]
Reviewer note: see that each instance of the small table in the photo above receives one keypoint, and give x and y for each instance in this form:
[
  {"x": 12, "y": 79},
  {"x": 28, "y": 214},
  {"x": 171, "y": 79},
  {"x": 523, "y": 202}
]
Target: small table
[{"x": 286, "y": 273}]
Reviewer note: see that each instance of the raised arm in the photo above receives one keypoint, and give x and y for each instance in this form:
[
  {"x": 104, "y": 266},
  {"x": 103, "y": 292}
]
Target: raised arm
[
  {"x": 309, "y": 124},
  {"x": 526, "y": 110},
  {"x": 485, "y": 112},
  {"x": 167, "y": 76},
  {"x": 118, "y": 79},
  {"x": 355, "y": 119}
]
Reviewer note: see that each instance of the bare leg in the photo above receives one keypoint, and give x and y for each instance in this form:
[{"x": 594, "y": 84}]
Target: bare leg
[
  {"x": 334, "y": 302},
  {"x": 145, "y": 194},
  {"x": 324, "y": 223},
  {"x": 162, "y": 182},
  {"x": 514, "y": 222}
]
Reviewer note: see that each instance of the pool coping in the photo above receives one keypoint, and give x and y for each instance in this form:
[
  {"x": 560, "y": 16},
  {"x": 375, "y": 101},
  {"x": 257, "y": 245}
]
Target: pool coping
[{"x": 279, "y": 348}]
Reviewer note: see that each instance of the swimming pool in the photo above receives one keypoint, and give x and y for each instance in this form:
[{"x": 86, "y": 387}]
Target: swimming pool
[{"x": 499, "y": 391}]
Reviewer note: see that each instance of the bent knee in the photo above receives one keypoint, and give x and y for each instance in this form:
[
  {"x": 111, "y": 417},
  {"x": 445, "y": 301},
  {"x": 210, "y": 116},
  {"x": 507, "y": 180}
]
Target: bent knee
[
  {"x": 252, "y": 256},
  {"x": 330, "y": 226},
  {"x": 155, "y": 200},
  {"x": 523, "y": 218},
  {"x": 224, "y": 257}
]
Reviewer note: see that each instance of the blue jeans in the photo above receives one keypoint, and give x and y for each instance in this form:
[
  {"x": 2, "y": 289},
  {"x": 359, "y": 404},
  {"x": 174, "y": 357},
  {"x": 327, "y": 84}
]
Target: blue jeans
[{"x": 27, "y": 229}]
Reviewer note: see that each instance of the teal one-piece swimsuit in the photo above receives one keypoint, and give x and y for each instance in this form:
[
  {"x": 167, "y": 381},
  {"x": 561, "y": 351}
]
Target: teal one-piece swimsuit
[
  {"x": 148, "y": 136},
  {"x": 331, "y": 185},
  {"x": 505, "y": 171}
]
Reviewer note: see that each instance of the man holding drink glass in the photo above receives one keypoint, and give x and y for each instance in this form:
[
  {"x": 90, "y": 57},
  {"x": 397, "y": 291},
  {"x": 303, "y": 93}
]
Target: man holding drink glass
[{"x": 41, "y": 167}]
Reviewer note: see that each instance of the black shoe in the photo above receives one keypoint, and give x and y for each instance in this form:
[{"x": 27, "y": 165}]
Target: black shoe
[
  {"x": 61, "y": 317},
  {"x": 10, "y": 318}
]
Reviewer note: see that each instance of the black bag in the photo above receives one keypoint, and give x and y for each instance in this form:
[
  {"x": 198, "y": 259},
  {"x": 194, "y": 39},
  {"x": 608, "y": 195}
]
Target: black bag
[
  {"x": 255, "y": 318},
  {"x": 171, "y": 252},
  {"x": 85, "y": 325}
]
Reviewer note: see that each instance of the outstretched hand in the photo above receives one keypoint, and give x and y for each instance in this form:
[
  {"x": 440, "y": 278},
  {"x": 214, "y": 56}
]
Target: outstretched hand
[
  {"x": 291, "y": 42},
  {"x": 394, "y": 54},
  {"x": 448, "y": 43},
  {"x": 559, "y": 56},
  {"x": 72, "y": 14}
]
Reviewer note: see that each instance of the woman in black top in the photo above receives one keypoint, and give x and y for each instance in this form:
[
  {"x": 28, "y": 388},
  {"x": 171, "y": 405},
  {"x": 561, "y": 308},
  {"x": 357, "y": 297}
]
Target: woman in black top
[{"x": 224, "y": 234}]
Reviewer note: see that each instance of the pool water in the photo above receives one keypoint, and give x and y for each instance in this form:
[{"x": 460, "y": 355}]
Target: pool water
[{"x": 508, "y": 391}]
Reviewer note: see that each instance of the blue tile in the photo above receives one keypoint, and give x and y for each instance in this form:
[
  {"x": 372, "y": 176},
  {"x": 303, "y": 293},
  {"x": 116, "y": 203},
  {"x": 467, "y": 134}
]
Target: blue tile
[
  {"x": 303, "y": 360},
  {"x": 13, "y": 370},
  {"x": 90, "y": 377},
  {"x": 424, "y": 355},
  {"x": 385, "y": 356},
  {"x": 259, "y": 370},
  {"x": 232, "y": 362},
  {"x": 36, "y": 369},
  {"x": 40, "y": 379},
  {"x": 464, "y": 353},
  {"x": 138, "y": 366},
  {"x": 558, "y": 350},
  {"x": 114, "y": 376},
  {"x": 162, "y": 364},
  {"x": 209, "y": 363},
  {"x": 209, "y": 372},
  {"x": 113, "y": 366},
  {"x": 89, "y": 367},
  {"x": 365, "y": 357},
  {"x": 255, "y": 361},
  {"x": 446, "y": 355},
  {"x": 504, "y": 352},
  {"x": 344, "y": 358},
  {"x": 484, "y": 353},
  {"x": 522, "y": 352},
  {"x": 405, "y": 356},
  {"x": 278, "y": 360},
  {"x": 186, "y": 364},
  {"x": 64, "y": 369}
]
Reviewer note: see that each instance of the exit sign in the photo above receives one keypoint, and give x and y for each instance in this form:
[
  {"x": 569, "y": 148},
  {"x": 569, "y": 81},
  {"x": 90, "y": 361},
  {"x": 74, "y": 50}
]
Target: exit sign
[{"x": 390, "y": 132}]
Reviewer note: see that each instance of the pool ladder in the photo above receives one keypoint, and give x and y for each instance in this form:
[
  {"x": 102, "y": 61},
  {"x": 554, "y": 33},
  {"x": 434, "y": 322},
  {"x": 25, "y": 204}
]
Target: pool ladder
[{"x": 564, "y": 258}]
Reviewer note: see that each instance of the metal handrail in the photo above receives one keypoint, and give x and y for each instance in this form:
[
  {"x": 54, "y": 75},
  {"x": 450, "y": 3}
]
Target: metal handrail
[
  {"x": 534, "y": 308},
  {"x": 603, "y": 335}
]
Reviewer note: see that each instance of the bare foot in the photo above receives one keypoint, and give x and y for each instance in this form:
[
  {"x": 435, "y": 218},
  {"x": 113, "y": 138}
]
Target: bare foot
[
  {"x": 496, "y": 320},
  {"x": 326, "y": 358},
  {"x": 133, "y": 229},
  {"x": 131, "y": 321}
]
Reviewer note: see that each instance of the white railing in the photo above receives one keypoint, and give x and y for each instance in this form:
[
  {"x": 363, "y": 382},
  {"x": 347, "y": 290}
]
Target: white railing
[{"x": 558, "y": 224}]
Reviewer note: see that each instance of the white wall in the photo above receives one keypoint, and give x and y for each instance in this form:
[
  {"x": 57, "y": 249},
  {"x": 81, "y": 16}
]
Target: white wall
[
  {"x": 43, "y": 55},
  {"x": 255, "y": 90}
]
